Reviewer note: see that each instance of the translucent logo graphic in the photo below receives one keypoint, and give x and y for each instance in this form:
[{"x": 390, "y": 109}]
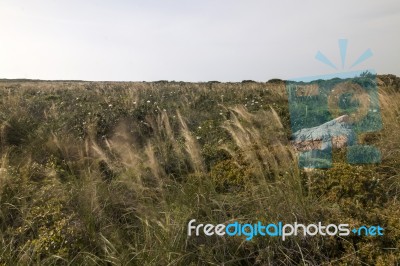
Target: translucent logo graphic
[
  {"x": 280, "y": 229},
  {"x": 331, "y": 111}
]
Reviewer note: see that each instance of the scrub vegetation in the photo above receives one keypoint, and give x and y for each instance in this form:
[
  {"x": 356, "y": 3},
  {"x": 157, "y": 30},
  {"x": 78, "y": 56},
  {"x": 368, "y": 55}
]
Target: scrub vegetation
[{"x": 110, "y": 173}]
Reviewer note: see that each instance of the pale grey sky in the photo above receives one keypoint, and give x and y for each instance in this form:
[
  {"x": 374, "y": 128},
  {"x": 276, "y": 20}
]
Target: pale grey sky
[{"x": 226, "y": 40}]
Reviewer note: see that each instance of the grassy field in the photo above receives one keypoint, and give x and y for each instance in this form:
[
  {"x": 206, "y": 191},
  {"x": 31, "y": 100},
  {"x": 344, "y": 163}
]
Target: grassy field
[{"x": 110, "y": 173}]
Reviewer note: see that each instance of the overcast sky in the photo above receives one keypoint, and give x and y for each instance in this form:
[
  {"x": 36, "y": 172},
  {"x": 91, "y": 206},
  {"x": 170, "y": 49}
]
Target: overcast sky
[{"x": 226, "y": 40}]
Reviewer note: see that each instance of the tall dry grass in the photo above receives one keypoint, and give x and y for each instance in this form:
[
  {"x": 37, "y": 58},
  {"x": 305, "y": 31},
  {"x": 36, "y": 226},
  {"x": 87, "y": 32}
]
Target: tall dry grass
[{"x": 119, "y": 190}]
